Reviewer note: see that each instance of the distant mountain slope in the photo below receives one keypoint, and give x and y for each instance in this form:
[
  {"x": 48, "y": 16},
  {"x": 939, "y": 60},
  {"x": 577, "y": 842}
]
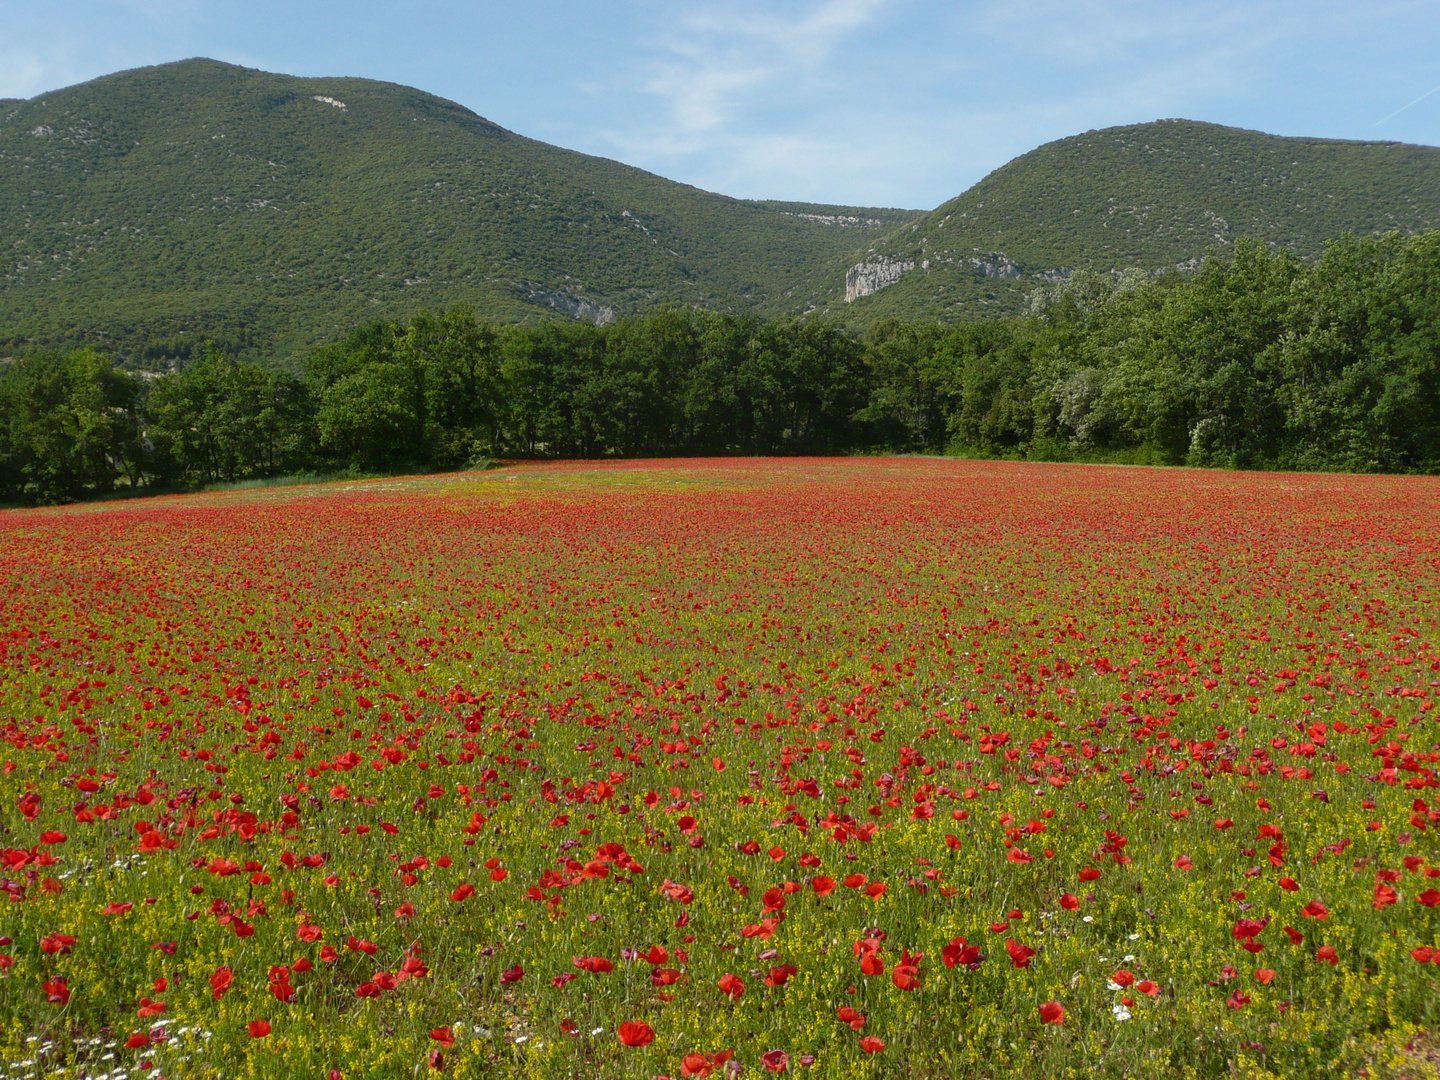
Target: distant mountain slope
[
  {"x": 1149, "y": 195},
  {"x": 155, "y": 206}
]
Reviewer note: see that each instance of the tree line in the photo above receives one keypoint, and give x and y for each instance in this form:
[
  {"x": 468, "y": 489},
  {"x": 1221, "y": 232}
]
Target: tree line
[{"x": 1257, "y": 360}]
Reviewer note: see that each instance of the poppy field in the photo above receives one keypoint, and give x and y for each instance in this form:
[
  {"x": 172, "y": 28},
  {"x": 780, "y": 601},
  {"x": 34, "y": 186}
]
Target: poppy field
[{"x": 826, "y": 768}]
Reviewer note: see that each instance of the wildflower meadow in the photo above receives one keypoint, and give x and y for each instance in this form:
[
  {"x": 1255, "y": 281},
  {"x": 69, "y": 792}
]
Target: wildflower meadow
[{"x": 829, "y": 768}]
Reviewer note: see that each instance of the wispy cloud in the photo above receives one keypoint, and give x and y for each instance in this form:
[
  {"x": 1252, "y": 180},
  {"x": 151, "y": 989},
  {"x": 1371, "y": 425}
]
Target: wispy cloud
[
  {"x": 26, "y": 74},
  {"x": 721, "y": 59},
  {"x": 1402, "y": 108}
]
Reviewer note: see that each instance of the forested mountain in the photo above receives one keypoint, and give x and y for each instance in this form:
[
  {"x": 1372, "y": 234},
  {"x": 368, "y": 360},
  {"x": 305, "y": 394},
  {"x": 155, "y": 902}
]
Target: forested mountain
[
  {"x": 1259, "y": 360},
  {"x": 1149, "y": 196},
  {"x": 149, "y": 210}
]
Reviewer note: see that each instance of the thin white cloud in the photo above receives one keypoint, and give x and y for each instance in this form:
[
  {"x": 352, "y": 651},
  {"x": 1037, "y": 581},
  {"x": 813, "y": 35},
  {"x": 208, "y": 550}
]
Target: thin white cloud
[
  {"x": 720, "y": 58},
  {"x": 25, "y": 74},
  {"x": 1411, "y": 104}
]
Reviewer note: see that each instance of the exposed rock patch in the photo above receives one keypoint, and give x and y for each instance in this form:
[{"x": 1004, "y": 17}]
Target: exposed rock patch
[{"x": 874, "y": 274}]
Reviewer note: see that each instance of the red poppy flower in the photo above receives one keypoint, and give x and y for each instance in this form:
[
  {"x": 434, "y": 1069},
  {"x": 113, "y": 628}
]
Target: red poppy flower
[
  {"x": 462, "y": 892},
  {"x": 444, "y": 1036},
  {"x": 1020, "y": 955},
  {"x": 672, "y": 890},
  {"x": 855, "y": 881},
  {"x": 1248, "y": 929},
  {"x": 596, "y": 965},
  {"x": 960, "y": 954},
  {"x": 851, "y": 1017},
  {"x": 871, "y": 964},
  {"x": 1424, "y": 954},
  {"x": 871, "y": 1045},
  {"x": 259, "y": 1028},
  {"x": 696, "y": 1065},
  {"x": 779, "y": 976},
  {"x": 656, "y": 956},
  {"x": 1264, "y": 975},
  {"x": 876, "y": 889},
  {"x": 1052, "y": 1012},
  {"x": 1123, "y": 978},
  {"x": 731, "y": 986},
  {"x": 220, "y": 981},
  {"x": 636, "y": 1033},
  {"x": 665, "y": 977},
  {"x": 1289, "y": 884},
  {"x": 1328, "y": 955},
  {"x": 1430, "y": 897},
  {"x": 1148, "y": 988},
  {"x": 56, "y": 944},
  {"x": 1184, "y": 863},
  {"x": 512, "y": 974},
  {"x": 1238, "y": 1000},
  {"x": 57, "y": 992},
  {"x": 137, "y": 1040},
  {"x": 1069, "y": 901},
  {"x": 1090, "y": 874},
  {"x": 1294, "y": 935},
  {"x": 1315, "y": 910},
  {"x": 823, "y": 885},
  {"x": 906, "y": 974},
  {"x": 775, "y": 1060}
]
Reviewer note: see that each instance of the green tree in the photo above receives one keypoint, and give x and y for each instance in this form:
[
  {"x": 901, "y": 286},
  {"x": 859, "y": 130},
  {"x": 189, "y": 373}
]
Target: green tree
[
  {"x": 221, "y": 419},
  {"x": 69, "y": 427}
]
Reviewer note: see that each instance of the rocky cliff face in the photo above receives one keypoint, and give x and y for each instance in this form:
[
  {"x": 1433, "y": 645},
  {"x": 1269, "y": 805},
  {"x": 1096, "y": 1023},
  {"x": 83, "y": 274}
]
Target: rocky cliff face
[
  {"x": 995, "y": 265},
  {"x": 880, "y": 271},
  {"x": 874, "y": 274},
  {"x": 577, "y": 307}
]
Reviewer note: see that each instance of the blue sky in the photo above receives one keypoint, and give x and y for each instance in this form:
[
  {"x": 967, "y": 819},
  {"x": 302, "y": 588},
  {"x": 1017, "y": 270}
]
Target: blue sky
[{"x": 870, "y": 102}]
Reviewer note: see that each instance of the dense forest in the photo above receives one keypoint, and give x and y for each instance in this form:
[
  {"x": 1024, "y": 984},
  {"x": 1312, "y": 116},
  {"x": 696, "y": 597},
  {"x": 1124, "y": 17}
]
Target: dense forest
[{"x": 1259, "y": 360}]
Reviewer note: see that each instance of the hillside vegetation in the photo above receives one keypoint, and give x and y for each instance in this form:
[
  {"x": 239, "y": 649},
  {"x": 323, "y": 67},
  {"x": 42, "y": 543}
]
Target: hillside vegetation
[
  {"x": 149, "y": 211},
  {"x": 270, "y": 213},
  {"x": 1263, "y": 360},
  {"x": 1153, "y": 196}
]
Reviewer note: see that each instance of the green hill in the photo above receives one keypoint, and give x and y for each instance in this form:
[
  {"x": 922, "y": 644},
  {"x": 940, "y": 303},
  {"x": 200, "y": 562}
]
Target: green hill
[
  {"x": 149, "y": 210},
  {"x": 152, "y": 208},
  {"x": 1150, "y": 195}
]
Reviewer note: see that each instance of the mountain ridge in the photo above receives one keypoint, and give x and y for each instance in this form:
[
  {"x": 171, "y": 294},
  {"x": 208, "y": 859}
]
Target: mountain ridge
[
  {"x": 149, "y": 210},
  {"x": 203, "y": 198},
  {"x": 1151, "y": 196}
]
